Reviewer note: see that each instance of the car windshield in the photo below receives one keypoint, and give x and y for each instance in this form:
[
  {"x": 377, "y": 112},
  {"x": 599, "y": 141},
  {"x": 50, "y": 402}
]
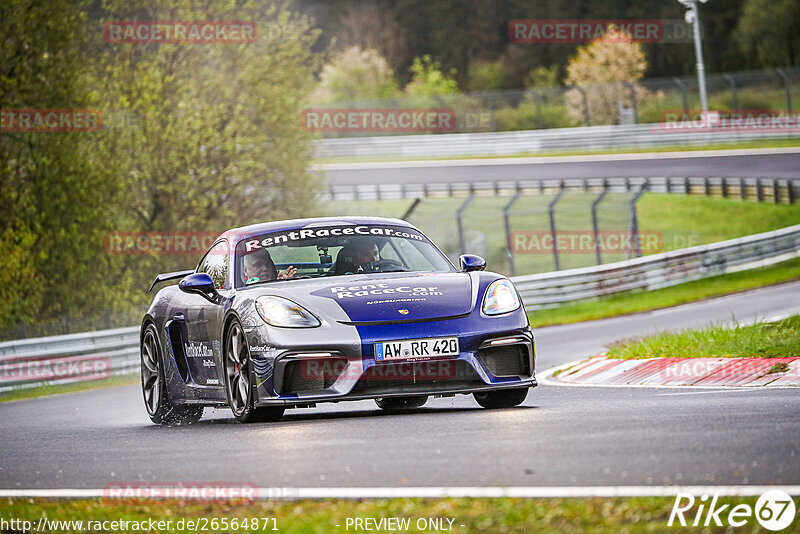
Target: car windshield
[{"x": 335, "y": 251}]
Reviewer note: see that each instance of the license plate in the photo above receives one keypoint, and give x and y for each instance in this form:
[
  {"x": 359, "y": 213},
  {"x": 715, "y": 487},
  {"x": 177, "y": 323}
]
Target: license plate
[{"x": 416, "y": 348}]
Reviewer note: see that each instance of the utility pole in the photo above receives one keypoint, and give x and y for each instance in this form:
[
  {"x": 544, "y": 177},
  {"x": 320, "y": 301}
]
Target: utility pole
[{"x": 692, "y": 17}]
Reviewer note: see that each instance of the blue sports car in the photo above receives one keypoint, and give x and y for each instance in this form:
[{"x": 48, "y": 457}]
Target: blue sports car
[{"x": 291, "y": 313}]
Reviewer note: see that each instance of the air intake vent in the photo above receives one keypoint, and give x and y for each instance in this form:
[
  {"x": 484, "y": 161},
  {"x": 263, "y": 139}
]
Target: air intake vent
[
  {"x": 506, "y": 360},
  {"x": 312, "y": 374}
]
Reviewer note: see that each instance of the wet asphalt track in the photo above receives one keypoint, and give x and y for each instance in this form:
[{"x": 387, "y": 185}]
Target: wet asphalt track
[
  {"x": 780, "y": 163},
  {"x": 560, "y": 436}
]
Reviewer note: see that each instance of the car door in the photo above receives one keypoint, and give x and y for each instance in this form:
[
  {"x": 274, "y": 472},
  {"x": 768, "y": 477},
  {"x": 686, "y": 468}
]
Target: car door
[{"x": 203, "y": 321}]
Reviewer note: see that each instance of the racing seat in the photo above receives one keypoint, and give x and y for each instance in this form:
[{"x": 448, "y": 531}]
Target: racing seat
[{"x": 344, "y": 261}]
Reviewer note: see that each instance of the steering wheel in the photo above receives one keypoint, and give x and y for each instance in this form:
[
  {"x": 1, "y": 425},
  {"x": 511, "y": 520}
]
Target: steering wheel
[{"x": 387, "y": 265}]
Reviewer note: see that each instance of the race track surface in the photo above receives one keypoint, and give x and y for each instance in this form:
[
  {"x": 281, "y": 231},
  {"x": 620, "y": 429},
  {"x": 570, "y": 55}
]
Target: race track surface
[
  {"x": 571, "y": 436},
  {"x": 780, "y": 163}
]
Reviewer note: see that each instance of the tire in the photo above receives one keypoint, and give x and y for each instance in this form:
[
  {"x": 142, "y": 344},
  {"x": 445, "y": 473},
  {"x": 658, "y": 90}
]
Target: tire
[
  {"x": 393, "y": 404},
  {"x": 238, "y": 385},
  {"x": 504, "y": 398},
  {"x": 154, "y": 386}
]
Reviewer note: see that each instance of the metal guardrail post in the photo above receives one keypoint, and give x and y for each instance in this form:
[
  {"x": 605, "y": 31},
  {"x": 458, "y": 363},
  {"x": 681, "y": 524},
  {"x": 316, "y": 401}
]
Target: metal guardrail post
[
  {"x": 742, "y": 189},
  {"x": 507, "y": 221},
  {"x": 759, "y": 190},
  {"x": 411, "y": 208},
  {"x": 787, "y": 87},
  {"x": 684, "y": 97},
  {"x": 790, "y": 190},
  {"x": 632, "y": 91},
  {"x": 734, "y": 95},
  {"x": 595, "y": 224},
  {"x": 724, "y": 187},
  {"x": 551, "y": 212},
  {"x": 776, "y": 192},
  {"x": 635, "y": 219},
  {"x": 538, "y": 102},
  {"x": 460, "y": 223}
]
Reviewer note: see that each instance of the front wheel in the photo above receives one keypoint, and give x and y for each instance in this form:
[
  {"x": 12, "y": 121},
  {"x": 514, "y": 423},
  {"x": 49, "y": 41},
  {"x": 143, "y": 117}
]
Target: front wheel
[
  {"x": 238, "y": 387},
  {"x": 391, "y": 404},
  {"x": 154, "y": 389},
  {"x": 504, "y": 398}
]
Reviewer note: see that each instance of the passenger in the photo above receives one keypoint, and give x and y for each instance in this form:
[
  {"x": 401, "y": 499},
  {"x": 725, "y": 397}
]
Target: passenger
[{"x": 259, "y": 267}]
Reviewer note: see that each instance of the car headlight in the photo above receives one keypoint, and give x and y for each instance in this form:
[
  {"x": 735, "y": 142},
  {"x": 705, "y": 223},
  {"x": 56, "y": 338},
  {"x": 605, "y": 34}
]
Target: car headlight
[
  {"x": 277, "y": 311},
  {"x": 501, "y": 297}
]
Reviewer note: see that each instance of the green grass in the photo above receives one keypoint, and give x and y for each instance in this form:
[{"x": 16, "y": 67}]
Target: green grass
[
  {"x": 766, "y": 143},
  {"x": 694, "y": 220},
  {"x": 40, "y": 391},
  {"x": 780, "y": 339},
  {"x": 632, "y": 302},
  {"x": 491, "y": 516}
]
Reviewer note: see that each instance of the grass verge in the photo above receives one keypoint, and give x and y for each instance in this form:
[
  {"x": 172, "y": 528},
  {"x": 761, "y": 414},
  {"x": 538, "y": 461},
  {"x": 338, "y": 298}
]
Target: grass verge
[
  {"x": 496, "y": 516},
  {"x": 779, "y": 339},
  {"x": 766, "y": 143},
  {"x": 632, "y": 302},
  {"x": 41, "y": 391}
]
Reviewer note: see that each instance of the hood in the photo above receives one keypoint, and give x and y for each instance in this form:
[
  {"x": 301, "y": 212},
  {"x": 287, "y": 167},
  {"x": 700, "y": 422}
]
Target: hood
[{"x": 391, "y": 297}]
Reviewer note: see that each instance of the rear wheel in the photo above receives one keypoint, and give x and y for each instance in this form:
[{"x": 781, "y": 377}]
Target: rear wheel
[
  {"x": 238, "y": 386},
  {"x": 504, "y": 398},
  {"x": 391, "y": 404},
  {"x": 154, "y": 389}
]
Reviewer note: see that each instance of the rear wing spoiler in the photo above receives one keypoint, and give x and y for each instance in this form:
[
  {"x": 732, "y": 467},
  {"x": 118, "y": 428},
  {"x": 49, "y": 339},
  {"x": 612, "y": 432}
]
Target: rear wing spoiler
[{"x": 163, "y": 277}]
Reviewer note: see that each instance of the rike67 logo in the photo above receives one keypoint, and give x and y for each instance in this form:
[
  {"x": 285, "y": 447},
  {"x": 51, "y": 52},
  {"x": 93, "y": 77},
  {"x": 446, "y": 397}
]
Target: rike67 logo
[{"x": 774, "y": 510}]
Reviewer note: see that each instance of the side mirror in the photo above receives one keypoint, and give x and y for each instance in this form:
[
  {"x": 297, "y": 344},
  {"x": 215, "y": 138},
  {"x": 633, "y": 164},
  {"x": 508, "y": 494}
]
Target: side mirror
[
  {"x": 201, "y": 284},
  {"x": 471, "y": 262}
]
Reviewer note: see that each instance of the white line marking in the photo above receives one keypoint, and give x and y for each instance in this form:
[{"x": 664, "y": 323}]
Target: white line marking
[
  {"x": 729, "y": 390},
  {"x": 588, "y": 158},
  {"x": 439, "y": 492}
]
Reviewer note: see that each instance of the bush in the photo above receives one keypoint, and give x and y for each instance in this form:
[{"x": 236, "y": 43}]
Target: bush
[
  {"x": 526, "y": 116},
  {"x": 355, "y": 74}
]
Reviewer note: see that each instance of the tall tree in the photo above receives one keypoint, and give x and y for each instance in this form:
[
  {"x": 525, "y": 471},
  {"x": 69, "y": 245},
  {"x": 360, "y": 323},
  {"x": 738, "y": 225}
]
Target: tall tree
[
  {"x": 768, "y": 31},
  {"x": 53, "y": 199}
]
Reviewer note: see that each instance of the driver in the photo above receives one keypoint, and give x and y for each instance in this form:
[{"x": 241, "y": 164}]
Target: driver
[
  {"x": 259, "y": 267},
  {"x": 366, "y": 254},
  {"x": 357, "y": 257}
]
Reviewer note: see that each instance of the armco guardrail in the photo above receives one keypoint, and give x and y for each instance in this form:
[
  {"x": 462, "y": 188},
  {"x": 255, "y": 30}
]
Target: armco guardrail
[
  {"x": 92, "y": 355},
  {"x": 545, "y": 290},
  {"x": 535, "y": 141},
  {"x": 776, "y": 190},
  {"x": 68, "y": 358}
]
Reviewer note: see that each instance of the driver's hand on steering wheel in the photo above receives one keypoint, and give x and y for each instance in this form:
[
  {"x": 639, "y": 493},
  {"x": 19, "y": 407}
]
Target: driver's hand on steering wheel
[{"x": 288, "y": 273}]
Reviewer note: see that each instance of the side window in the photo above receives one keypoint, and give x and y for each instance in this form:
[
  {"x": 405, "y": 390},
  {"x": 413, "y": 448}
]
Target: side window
[{"x": 215, "y": 263}]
